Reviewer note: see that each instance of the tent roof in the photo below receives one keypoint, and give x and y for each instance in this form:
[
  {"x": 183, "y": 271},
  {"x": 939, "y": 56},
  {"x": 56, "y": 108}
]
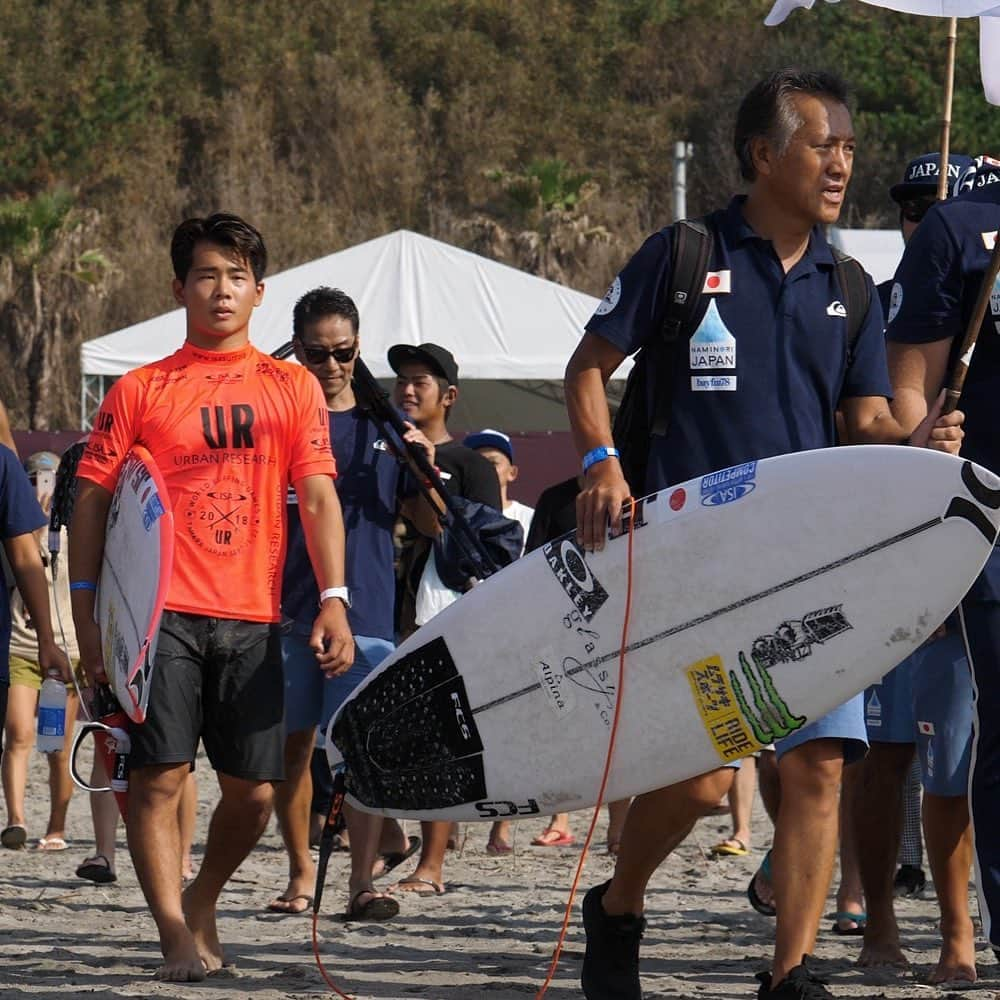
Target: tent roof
[
  {"x": 499, "y": 322},
  {"x": 878, "y": 250}
]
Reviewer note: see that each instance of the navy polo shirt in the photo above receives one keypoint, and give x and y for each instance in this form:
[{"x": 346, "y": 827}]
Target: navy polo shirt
[
  {"x": 367, "y": 483},
  {"x": 19, "y": 515},
  {"x": 765, "y": 369},
  {"x": 935, "y": 290}
]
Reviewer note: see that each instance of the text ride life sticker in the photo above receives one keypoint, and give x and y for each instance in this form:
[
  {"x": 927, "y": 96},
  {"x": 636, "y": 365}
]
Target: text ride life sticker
[{"x": 718, "y": 709}]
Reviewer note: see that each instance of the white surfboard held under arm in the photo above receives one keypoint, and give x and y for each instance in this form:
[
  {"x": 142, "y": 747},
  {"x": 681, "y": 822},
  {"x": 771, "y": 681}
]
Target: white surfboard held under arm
[
  {"x": 135, "y": 574},
  {"x": 763, "y": 596}
]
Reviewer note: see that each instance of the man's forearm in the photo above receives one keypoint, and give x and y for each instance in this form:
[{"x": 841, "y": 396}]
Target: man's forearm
[
  {"x": 587, "y": 406},
  {"x": 22, "y": 551},
  {"x": 86, "y": 547}
]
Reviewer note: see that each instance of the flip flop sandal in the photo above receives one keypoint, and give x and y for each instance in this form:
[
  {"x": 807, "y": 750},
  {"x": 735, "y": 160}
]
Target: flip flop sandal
[
  {"x": 725, "y": 848},
  {"x": 14, "y": 837},
  {"x": 97, "y": 869},
  {"x": 554, "y": 838},
  {"x": 393, "y": 859},
  {"x": 275, "y": 907},
  {"x": 51, "y": 844},
  {"x": 379, "y": 907},
  {"x": 843, "y": 916},
  {"x": 436, "y": 888},
  {"x": 765, "y": 909}
]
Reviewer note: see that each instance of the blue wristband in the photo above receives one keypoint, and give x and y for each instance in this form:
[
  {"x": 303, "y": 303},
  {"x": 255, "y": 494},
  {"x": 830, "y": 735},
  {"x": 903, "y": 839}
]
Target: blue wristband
[
  {"x": 83, "y": 585},
  {"x": 598, "y": 454}
]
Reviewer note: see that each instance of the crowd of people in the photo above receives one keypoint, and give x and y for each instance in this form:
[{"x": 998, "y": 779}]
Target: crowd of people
[{"x": 255, "y": 673}]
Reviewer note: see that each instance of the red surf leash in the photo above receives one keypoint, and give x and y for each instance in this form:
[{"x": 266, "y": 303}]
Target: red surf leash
[{"x": 554, "y": 964}]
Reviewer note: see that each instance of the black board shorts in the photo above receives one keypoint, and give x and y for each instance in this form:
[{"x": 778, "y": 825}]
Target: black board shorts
[{"x": 220, "y": 681}]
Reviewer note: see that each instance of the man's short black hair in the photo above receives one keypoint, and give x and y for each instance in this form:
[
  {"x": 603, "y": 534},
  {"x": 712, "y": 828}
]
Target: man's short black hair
[
  {"x": 224, "y": 230},
  {"x": 768, "y": 110},
  {"x": 320, "y": 303}
]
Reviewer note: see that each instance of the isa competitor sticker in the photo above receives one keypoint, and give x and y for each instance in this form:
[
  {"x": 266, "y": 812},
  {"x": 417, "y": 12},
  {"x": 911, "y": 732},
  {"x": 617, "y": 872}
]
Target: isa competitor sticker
[{"x": 728, "y": 485}]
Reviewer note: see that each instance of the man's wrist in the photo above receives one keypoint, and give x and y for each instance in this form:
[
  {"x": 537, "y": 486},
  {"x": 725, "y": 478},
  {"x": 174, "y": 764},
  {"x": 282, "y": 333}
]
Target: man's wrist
[
  {"x": 341, "y": 594},
  {"x": 598, "y": 454}
]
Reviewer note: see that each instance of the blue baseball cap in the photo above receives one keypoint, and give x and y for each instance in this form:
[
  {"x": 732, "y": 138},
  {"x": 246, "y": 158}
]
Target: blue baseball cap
[
  {"x": 489, "y": 438},
  {"x": 921, "y": 176}
]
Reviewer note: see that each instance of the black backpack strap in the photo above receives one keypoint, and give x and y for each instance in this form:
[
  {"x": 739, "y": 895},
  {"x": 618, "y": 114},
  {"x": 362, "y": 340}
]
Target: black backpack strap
[
  {"x": 690, "y": 253},
  {"x": 857, "y": 296}
]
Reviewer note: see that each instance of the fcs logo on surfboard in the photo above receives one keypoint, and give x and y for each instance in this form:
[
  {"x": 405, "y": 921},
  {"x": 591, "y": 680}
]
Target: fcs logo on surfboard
[
  {"x": 728, "y": 485},
  {"x": 570, "y": 568}
]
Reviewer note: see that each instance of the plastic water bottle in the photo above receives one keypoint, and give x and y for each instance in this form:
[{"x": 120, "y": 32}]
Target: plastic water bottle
[{"x": 52, "y": 713}]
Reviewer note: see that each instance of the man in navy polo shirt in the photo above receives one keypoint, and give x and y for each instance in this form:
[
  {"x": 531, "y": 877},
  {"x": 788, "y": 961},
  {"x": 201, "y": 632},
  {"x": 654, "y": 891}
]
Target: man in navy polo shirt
[
  {"x": 326, "y": 339},
  {"x": 935, "y": 290},
  {"x": 778, "y": 371}
]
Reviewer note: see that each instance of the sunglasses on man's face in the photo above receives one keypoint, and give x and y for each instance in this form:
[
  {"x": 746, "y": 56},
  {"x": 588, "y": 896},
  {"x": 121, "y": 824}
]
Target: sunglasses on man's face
[
  {"x": 318, "y": 355},
  {"x": 914, "y": 209}
]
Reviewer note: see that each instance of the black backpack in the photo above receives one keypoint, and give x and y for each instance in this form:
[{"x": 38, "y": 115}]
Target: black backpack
[{"x": 644, "y": 411}]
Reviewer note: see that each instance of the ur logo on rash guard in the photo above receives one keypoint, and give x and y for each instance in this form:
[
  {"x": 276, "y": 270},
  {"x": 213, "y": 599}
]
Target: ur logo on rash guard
[
  {"x": 895, "y": 301},
  {"x": 995, "y": 302}
]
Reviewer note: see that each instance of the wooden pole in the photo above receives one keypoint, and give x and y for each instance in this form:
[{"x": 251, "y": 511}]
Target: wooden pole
[
  {"x": 949, "y": 90},
  {"x": 961, "y": 369}
]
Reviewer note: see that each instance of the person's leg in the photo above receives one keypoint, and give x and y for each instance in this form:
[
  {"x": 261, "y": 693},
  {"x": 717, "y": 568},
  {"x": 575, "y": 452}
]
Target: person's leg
[
  {"x": 741, "y": 797},
  {"x": 805, "y": 842},
  {"x": 850, "y": 896},
  {"x": 499, "y": 839},
  {"x": 910, "y": 880},
  {"x": 617, "y": 811},
  {"x": 60, "y": 783},
  {"x": 364, "y": 901},
  {"x": 981, "y": 619},
  {"x": 104, "y": 816},
  {"x": 770, "y": 794},
  {"x": 155, "y": 844},
  {"x": 656, "y": 823},
  {"x": 186, "y": 816},
  {"x": 292, "y": 802},
  {"x": 428, "y": 876},
  {"x": 948, "y": 833},
  {"x": 20, "y": 734},
  {"x": 880, "y": 802},
  {"x": 943, "y": 701},
  {"x": 236, "y": 825}
]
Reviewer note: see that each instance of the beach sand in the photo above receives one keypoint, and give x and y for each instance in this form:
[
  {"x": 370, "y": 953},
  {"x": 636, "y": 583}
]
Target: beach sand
[{"x": 490, "y": 936}]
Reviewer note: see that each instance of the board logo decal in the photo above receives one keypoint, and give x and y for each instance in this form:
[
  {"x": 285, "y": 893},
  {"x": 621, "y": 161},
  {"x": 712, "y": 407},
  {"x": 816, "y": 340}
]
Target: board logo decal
[
  {"x": 769, "y": 717},
  {"x": 558, "y": 692},
  {"x": 569, "y": 567},
  {"x": 728, "y": 485},
  {"x": 717, "y": 706}
]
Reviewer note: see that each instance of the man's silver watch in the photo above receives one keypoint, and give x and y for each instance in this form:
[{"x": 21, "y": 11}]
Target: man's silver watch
[{"x": 340, "y": 592}]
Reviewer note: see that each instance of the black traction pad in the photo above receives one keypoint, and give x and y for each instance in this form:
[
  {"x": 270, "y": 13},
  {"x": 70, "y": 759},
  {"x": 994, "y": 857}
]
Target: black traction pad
[{"x": 409, "y": 740}]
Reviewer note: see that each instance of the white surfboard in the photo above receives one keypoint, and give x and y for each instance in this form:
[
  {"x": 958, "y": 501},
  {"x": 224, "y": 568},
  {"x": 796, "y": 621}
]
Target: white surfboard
[
  {"x": 135, "y": 574},
  {"x": 763, "y": 596}
]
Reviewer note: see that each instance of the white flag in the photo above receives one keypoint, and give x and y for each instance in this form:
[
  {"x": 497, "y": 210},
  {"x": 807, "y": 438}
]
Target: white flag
[
  {"x": 988, "y": 12},
  {"x": 989, "y": 56}
]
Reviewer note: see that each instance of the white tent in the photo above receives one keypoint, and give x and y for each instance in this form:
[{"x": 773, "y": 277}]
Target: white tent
[
  {"x": 501, "y": 324},
  {"x": 878, "y": 250}
]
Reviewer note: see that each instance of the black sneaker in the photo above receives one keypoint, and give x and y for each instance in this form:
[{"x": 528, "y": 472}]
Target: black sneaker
[
  {"x": 799, "y": 984},
  {"x": 909, "y": 881},
  {"x": 611, "y": 962}
]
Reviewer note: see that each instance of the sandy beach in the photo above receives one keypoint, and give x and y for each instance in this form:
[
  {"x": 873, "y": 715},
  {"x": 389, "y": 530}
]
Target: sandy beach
[{"x": 490, "y": 936}]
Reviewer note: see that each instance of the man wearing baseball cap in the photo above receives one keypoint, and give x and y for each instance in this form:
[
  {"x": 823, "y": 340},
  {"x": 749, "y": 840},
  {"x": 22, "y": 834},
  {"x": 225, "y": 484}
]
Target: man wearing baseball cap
[{"x": 426, "y": 390}]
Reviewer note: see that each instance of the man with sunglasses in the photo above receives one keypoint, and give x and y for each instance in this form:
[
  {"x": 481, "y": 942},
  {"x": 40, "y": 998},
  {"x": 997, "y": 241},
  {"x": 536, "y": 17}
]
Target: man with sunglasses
[{"x": 325, "y": 325}]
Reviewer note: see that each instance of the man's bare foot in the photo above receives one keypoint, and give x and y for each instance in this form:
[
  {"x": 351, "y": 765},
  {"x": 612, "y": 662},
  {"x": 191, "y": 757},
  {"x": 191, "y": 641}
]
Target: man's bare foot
[
  {"x": 423, "y": 882},
  {"x": 200, "y": 918},
  {"x": 957, "y": 962},
  {"x": 881, "y": 950},
  {"x": 181, "y": 961}
]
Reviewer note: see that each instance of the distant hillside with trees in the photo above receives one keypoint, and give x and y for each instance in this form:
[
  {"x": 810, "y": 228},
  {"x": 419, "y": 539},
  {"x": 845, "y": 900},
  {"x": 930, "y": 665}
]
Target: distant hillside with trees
[{"x": 539, "y": 134}]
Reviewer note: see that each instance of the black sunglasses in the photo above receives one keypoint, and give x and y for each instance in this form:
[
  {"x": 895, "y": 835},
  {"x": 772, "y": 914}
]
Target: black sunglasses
[
  {"x": 914, "y": 209},
  {"x": 318, "y": 355}
]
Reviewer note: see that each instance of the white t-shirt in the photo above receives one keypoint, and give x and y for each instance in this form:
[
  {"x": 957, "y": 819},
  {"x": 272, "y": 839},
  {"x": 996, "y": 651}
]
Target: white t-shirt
[{"x": 520, "y": 512}]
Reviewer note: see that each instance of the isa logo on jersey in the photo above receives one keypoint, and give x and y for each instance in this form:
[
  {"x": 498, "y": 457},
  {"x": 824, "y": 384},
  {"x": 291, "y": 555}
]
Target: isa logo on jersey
[{"x": 728, "y": 485}]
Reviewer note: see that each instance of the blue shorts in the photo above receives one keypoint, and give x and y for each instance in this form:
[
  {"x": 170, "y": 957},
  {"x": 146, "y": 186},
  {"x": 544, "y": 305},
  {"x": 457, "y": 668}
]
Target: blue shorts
[
  {"x": 943, "y": 707},
  {"x": 889, "y": 705},
  {"x": 846, "y": 722},
  {"x": 312, "y": 699}
]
